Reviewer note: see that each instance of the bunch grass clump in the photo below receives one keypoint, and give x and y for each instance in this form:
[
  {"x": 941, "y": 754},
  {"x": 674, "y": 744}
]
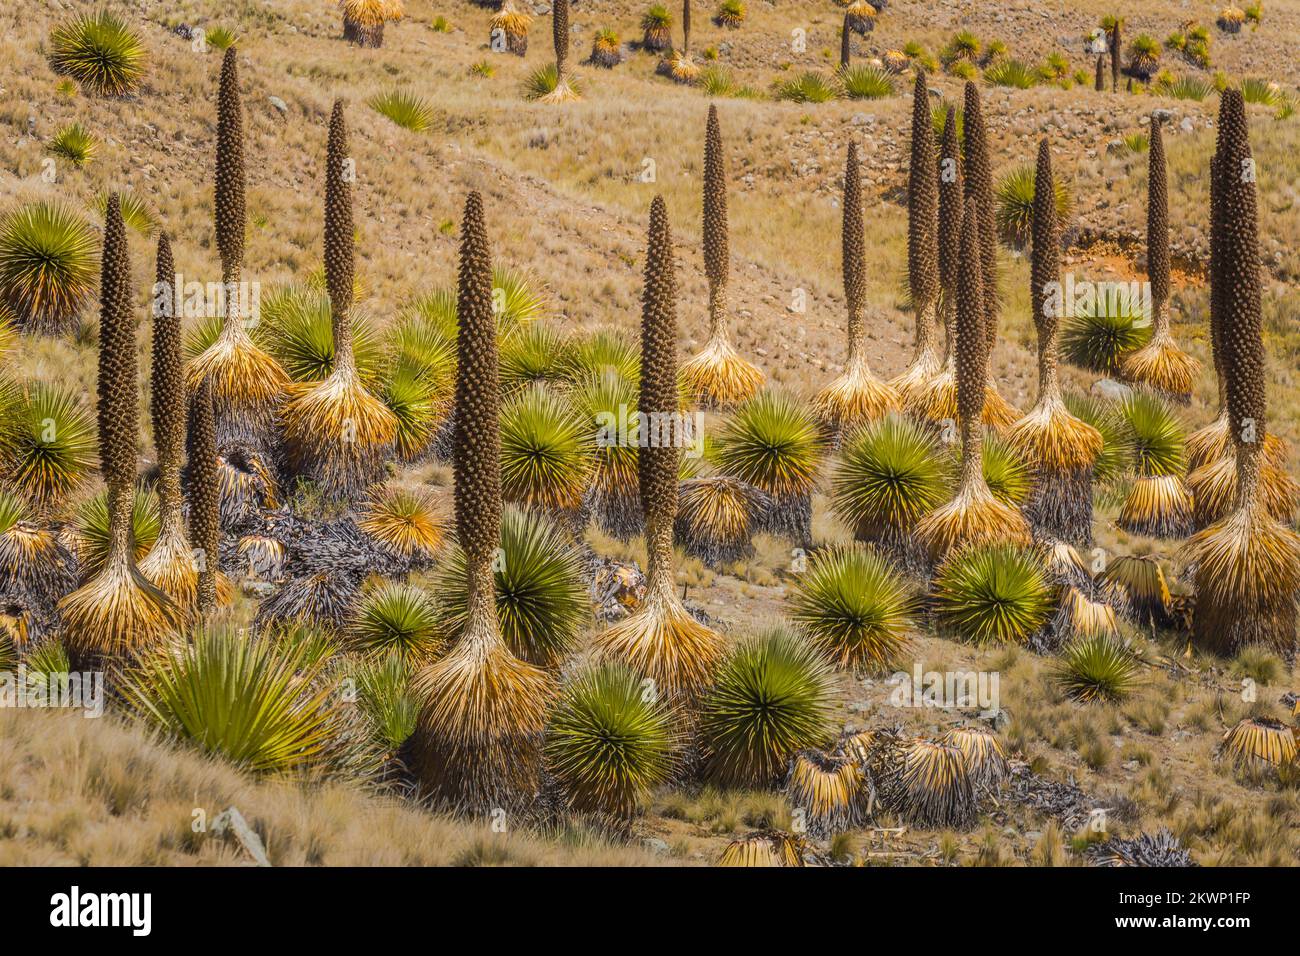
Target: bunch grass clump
[
  {"x": 74, "y": 143},
  {"x": 1098, "y": 667}
]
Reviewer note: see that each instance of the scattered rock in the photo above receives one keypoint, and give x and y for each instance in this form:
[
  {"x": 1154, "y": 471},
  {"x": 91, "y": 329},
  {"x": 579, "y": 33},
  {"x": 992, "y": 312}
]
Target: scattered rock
[
  {"x": 279, "y": 104},
  {"x": 1109, "y": 388}
]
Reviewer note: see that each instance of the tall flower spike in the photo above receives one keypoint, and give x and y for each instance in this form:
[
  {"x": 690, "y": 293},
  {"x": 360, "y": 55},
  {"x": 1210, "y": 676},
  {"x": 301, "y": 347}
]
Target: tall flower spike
[
  {"x": 564, "y": 90},
  {"x": 974, "y": 515},
  {"x": 937, "y": 401},
  {"x": 718, "y": 375},
  {"x": 979, "y": 191},
  {"x": 922, "y": 257},
  {"x": 856, "y": 396},
  {"x": 170, "y": 562},
  {"x": 247, "y": 384},
  {"x": 230, "y": 178},
  {"x": 661, "y": 641},
  {"x": 1160, "y": 363},
  {"x": 205, "y": 523},
  {"x": 478, "y": 742},
  {"x": 117, "y": 611},
  {"x": 339, "y": 434},
  {"x": 1247, "y": 564},
  {"x": 1063, "y": 448}
]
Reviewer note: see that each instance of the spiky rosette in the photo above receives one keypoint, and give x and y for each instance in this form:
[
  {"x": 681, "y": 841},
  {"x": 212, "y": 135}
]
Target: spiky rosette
[
  {"x": 608, "y": 745},
  {"x": 771, "y": 698},
  {"x": 1160, "y": 364},
  {"x": 716, "y": 516},
  {"x": 247, "y": 383},
  {"x": 993, "y": 594},
  {"x": 856, "y": 396},
  {"x": 338, "y": 433},
  {"x": 405, "y": 520},
  {"x": 856, "y": 608},
  {"x": 985, "y": 758},
  {"x": 922, "y": 249},
  {"x": 542, "y": 604},
  {"x": 661, "y": 640},
  {"x": 1158, "y": 503},
  {"x": 478, "y": 743},
  {"x": 118, "y": 611},
  {"x": 608, "y": 400},
  {"x": 170, "y": 562},
  {"x": 889, "y": 475},
  {"x": 830, "y": 790},
  {"x": 974, "y": 515},
  {"x": 547, "y": 453},
  {"x": 1063, "y": 448},
  {"x": 772, "y": 442}
]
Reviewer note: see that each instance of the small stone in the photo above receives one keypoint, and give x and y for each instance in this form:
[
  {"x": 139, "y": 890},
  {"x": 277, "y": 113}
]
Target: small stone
[
  {"x": 1109, "y": 388},
  {"x": 279, "y": 104}
]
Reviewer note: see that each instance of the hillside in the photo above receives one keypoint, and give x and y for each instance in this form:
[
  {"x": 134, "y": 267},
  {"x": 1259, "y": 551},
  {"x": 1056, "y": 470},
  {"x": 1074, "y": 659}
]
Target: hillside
[{"x": 566, "y": 202}]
